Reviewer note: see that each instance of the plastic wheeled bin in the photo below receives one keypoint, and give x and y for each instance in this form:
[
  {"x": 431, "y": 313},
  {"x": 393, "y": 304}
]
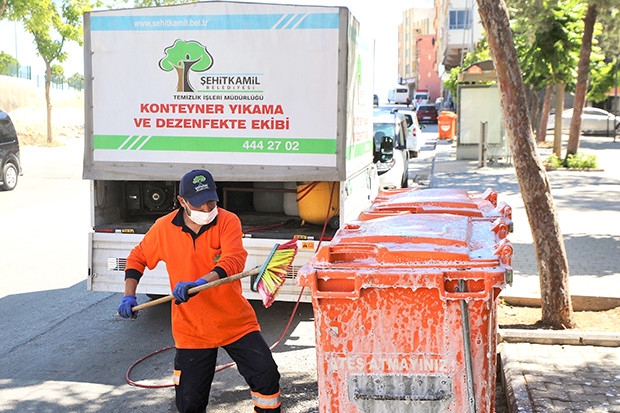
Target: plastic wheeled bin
[
  {"x": 442, "y": 200},
  {"x": 406, "y": 314},
  {"x": 446, "y": 124}
]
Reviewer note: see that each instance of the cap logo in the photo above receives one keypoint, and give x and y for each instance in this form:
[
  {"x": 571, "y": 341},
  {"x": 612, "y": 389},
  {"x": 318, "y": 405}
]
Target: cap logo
[{"x": 199, "y": 182}]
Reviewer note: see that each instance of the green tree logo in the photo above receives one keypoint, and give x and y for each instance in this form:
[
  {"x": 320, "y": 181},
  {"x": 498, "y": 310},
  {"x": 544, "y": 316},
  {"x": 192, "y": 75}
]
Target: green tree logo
[
  {"x": 184, "y": 56},
  {"x": 199, "y": 179}
]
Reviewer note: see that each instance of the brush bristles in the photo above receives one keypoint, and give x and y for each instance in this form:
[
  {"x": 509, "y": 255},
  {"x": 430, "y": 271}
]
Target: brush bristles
[{"x": 275, "y": 273}]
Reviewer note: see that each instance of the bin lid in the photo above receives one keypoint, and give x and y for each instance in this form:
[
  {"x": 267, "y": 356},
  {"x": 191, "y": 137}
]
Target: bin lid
[
  {"x": 416, "y": 240},
  {"x": 442, "y": 200}
]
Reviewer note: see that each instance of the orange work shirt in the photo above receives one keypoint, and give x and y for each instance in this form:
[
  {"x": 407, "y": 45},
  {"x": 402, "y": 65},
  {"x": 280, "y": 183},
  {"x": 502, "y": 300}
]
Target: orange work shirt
[{"x": 214, "y": 317}]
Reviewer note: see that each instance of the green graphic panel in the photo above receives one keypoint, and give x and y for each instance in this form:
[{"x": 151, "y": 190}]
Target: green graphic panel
[{"x": 211, "y": 144}]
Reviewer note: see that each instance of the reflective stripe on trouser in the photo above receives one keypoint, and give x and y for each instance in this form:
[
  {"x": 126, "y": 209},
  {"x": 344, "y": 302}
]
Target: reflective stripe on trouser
[{"x": 263, "y": 401}]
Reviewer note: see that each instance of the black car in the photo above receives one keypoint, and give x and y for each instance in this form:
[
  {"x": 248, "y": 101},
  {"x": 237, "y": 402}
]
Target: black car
[{"x": 10, "y": 165}]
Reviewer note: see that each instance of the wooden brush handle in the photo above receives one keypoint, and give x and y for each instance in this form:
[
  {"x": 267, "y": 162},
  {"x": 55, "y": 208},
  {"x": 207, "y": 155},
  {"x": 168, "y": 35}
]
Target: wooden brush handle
[{"x": 247, "y": 273}]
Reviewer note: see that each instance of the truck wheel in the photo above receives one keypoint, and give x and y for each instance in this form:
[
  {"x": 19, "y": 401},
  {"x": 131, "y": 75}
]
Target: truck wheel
[
  {"x": 10, "y": 176},
  {"x": 334, "y": 222}
]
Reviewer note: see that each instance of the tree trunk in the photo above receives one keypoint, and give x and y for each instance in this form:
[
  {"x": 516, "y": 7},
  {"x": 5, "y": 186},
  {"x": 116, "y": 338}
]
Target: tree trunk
[
  {"x": 553, "y": 272},
  {"x": 544, "y": 116},
  {"x": 559, "y": 108},
  {"x": 48, "y": 100},
  {"x": 583, "y": 70},
  {"x": 533, "y": 103}
]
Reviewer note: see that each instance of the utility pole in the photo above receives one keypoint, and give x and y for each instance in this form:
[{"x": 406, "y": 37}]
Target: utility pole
[
  {"x": 616, "y": 88},
  {"x": 616, "y": 103}
]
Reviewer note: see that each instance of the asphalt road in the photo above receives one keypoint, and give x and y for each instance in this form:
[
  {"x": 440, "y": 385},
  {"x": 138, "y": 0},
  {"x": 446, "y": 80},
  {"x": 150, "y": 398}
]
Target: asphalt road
[{"x": 63, "y": 349}]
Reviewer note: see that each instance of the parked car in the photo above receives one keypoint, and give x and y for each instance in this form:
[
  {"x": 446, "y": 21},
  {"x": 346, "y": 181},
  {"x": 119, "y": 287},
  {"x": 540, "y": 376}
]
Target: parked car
[
  {"x": 427, "y": 114},
  {"x": 414, "y": 137},
  {"x": 390, "y": 149},
  {"x": 594, "y": 121},
  {"x": 375, "y": 100},
  {"x": 10, "y": 165}
]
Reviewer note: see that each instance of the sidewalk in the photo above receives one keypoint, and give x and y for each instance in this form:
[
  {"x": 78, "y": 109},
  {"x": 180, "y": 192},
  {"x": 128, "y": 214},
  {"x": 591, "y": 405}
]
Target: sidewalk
[{"x": 558, "y": 371}]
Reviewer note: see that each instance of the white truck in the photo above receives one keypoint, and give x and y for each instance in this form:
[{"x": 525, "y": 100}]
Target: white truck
[{"x": 274, "y": 100}]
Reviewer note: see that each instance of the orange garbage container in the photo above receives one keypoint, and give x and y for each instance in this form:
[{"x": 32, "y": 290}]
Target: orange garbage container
[
  {"x": 443, "y": 200},
  {"x": 446, "y": 124},
  {"x": 406, "y": 315}
]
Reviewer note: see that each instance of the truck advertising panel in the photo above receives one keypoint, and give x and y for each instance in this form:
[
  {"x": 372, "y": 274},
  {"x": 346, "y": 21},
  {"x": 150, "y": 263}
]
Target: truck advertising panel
[{"x": 235, "y": 86}]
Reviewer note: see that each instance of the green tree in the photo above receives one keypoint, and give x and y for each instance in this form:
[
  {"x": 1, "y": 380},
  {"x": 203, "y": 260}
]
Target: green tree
[
  {"x": 7, "y": 62},
  {"x": 533, "y": 183},
  {"x": 58, "y": 74},
  {"x": 590, "y": 57},
  {"x": 602, "y": 81},
  {"x": 51, "y": 24},
  {"x": 76, "y": 81},
  {"x": 556, "y": 42}
]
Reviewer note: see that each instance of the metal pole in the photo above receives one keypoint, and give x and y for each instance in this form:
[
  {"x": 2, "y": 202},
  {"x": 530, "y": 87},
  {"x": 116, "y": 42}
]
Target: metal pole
[
  {"x": 616, "y": 98},
  {"x": 467, "y": 354},
  {"x": 483, "y": 145}
]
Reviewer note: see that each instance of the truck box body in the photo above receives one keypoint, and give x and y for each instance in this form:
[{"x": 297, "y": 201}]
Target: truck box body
[
  {"x": 266, "y": 97},
  {"x": 398, "y": 95},
  {"x": 421, "y": 97}
]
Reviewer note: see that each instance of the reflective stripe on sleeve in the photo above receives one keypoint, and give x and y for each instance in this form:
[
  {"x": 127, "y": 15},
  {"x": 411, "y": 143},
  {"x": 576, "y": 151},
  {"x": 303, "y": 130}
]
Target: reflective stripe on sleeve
[{"x": 266, "y": 401}]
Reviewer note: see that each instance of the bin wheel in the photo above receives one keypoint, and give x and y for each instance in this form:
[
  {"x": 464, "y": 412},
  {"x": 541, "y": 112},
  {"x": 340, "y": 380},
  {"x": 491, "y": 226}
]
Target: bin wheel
[{"x": 334, "y": 222}]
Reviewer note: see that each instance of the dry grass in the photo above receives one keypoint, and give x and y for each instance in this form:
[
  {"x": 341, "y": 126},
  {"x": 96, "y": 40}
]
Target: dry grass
[
  {"x": 31, "y": 125},
  {"x": 528, "y": 318}
]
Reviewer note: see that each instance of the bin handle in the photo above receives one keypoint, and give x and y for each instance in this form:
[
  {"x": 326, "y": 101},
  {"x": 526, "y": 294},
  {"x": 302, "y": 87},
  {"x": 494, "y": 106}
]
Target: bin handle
[
  {"x": 341, "y": 288},
  {"x": 344, "y": 295},
  {"x": 354, "y": 251},
  {"x": 490, "y": 283}
]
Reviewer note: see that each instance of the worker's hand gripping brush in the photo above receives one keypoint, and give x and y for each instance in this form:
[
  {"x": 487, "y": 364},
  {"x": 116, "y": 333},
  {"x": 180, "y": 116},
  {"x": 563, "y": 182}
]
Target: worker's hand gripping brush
[{"x": 269, "y": 277}]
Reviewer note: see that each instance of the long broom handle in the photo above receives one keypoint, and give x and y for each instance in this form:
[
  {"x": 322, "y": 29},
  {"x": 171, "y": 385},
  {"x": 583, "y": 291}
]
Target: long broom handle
[{"x": 247, "y": 273}]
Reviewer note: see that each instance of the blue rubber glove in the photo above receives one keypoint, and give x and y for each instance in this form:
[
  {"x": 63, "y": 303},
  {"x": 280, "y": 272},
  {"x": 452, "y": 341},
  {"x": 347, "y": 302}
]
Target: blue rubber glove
[
  {"x": 181, "y": 289},
  {"x": 127, "y": 303}
]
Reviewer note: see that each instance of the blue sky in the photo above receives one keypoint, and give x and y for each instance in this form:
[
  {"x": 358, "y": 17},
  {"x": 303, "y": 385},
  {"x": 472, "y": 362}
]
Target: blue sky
[{"x": 380, "y": 17}]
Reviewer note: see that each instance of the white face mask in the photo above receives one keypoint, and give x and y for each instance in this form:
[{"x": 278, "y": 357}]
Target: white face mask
[{"x": 200, "y": 217}]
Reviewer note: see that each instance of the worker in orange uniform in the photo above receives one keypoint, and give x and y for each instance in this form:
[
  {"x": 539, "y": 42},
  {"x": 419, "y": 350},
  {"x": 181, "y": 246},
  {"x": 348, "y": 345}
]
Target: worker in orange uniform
[{"x": 200, "y": 243}]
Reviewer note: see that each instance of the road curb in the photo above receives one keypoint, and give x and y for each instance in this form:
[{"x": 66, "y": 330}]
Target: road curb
[
  {"x": 559, "y": 337},
  {"x": 579, "y": 302},
  {"x": 515, "y": 385}
]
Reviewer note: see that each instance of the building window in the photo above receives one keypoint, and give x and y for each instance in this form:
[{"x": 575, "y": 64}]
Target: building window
[{"x": 459, "y": 20}]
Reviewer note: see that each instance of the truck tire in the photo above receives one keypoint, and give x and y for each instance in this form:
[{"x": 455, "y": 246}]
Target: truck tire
[{"x": 334, "y": 222}]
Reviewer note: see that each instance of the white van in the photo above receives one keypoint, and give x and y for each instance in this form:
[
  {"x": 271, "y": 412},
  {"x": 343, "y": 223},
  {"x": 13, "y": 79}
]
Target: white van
[{"x": 398, "y": 95}]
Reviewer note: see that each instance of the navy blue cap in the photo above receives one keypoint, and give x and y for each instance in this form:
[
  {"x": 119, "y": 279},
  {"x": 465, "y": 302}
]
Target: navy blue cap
[{"x": 198, "y": 187}]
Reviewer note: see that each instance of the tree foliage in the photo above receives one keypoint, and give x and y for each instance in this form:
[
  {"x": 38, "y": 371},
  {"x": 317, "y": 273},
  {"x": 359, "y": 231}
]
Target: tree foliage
[
  {"x": 7, "y": 62},
  {"x": 51, "y": 25},
  {"x": 76, "y": 81},
  {"x": 58, "y": 74}
]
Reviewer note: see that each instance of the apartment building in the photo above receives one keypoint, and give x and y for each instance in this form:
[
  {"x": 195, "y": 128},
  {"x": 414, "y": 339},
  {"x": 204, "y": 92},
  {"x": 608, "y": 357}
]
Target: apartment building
[{"x": 431, "y": 41}]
